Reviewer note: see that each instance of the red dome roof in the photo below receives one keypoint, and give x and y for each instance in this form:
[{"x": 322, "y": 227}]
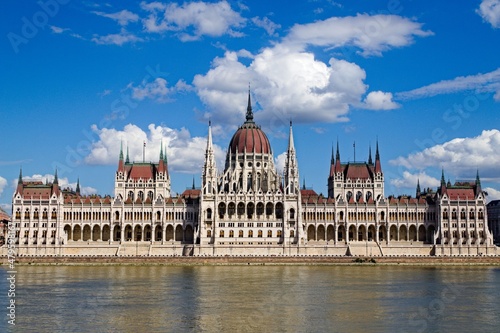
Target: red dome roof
[{"x": 249, "y": 137}]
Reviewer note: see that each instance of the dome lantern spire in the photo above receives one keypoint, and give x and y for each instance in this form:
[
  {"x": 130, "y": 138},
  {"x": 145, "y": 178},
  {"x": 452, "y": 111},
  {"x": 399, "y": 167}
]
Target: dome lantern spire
[{"x": 249, "y": 115}]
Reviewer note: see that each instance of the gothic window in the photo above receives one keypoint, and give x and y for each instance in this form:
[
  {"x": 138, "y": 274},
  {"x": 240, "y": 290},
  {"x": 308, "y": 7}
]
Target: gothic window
[
  {"x": 279, "y": 210},
  {"x": 260, "y": 208},
  {"x": 445, "y": 214},
  {"x": 209, "y": 187},
  {"x": 471, "y": 214},
  {"x": 45, "y": 214},
  {"x": 462, "y": 214},
  {"x": 250, "y": 233},
  {"x": 359, "y": 195},
  {"x": 250, "y": 210},
  {"x": 240, "y": 233},
  {"x": 209, "y": 214},
  {"x": 278, "y": 234},
  {"x": 131, "y": 195},
  {"x": 292, "y": 214},
  {"x": 117, "y": 215},
  {"x": 231, "y": 233},
  {"x": 221, "y": 234},
  {"x": 35, "y": 214},
  {"x": 292, "y": 233},
  {"x": 158, "y": 215},
  {"x": 269, "y": 209},
  {"x": 209, "y": 233},
  {"x": 269, "y": 233},
  {"x": 230, "y": 209},
  {"x": 480, "y": 214},
  {"x": 454, "y": 214},
  {"x": 249, "y": 182},
  {"x": 368, "y": 195},
  {"x": 241, "y": 208},
  {"x": 54, "y": 214},
  {"x": 150, "y": 195},
  {"x": 259, "y": 233},
  {"x": 222, "y": 210},
  {"x": 18, "y": 214},
  {"x": 349, "y": 196},
  {"x": 141, "y": 195}
]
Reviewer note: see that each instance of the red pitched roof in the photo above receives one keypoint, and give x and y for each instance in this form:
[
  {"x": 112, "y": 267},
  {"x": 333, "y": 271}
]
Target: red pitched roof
[
  {"x": 141, "y": 171},
  {"x": 460, "y": 193},
  {"x": 355, "y": 171}
]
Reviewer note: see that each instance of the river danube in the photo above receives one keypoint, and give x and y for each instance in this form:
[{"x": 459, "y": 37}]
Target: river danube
[{"x": 254, "y": 299}]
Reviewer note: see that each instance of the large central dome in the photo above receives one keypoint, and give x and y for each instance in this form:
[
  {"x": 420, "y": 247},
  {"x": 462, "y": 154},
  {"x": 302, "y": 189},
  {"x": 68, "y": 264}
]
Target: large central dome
[{"x": 249, "y": 137}]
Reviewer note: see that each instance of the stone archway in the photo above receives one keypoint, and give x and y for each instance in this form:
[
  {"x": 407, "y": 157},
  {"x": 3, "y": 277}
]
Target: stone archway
[
  {"x": 105, "y": 233},
  {"x": 372, "y": 234},
  {"x": 67, "y": 231},
  {"x": 179, "y": 233},
  {"x": 403, "y": 236},
  {"x": 421, "y": 233},
  {"x": 352, "y": 233},
  {"x": 311, "y": 233},
  {"x": 96, "y": 233},
  {"x": 77, "y": 232},
  {"x": 320, "y": 233},
  {"x": 413, "y": 233},
  {"x": 341, "y": 233},
  {"x": 393, "y": 233},
  {"x": 158, "y": 233},
  {"x": 169, "y": 234},
  {"x": 361, "y": 233},
  {"x": 382, "y": 233},
  {"x": 330, "y": 233},
  {"x": 128, "y": 232},
  {"x": 117, "y": 233},
  {"x": 147, "y": 233},
  {"x": 137, "y": 233},
  {"x": 86, "y": 233}
]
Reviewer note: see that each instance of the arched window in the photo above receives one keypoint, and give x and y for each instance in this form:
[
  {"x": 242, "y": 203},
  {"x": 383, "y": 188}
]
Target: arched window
[
  {"x": 292, "y": 213},
  {"x": 250, "y": 233},
  {"x": 259, "y": 233},
  {"x": 241, "y": 208},
  {"x": 54, "y": 214},
  {"x": 269, "y": 233},
  {"x": 250, "y": 209},
  {"x": 240, "y": 233},
  {"x": 260, "y": 208},
  {"x": 150, "y": 195},
  {"x": 158, "y": 215},
  {"x": 141, "y": 195},
  {"x": 368, "y": 195},
  {"x": 445, "y": 214},
  {"x": 292, "y": 233},
  {"x": 359, "y": 195},
  {"x": 117, "y": 215},
  {"x": 35, "y": 214},
  {"x": 348, "y": 196},
  {"x": 209, "y": 233},
  {"x": 454, "y": 214},
  {"x": 209, "y": 213},
  {"x": 269, "y": 209},
  {"x": 231, "y": 233},
  {"x": 131, "y": 195},
  {"x": 45, "y": 214},
  {"x": 278, "y": 234},
  {"x": 222, "y": 210},
  {"x": 221, "y": 234},
  {"x": 231, "y": 209},
  {"x": 279, "y": 210}
]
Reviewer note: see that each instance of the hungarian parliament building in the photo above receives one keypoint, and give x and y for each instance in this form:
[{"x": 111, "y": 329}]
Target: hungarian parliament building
[{"x": 251, "y": 209}]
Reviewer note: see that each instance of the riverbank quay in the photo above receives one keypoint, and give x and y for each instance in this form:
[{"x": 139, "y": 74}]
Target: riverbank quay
[{"x": 256, "y": 260}]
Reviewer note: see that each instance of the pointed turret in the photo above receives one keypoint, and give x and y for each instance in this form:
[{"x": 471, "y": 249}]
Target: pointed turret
[
  {"x": 78, "y": 186},
  {"x": 442, "y": 189},
  {"x": 55, "y": 184},
  {"x": 418, "y": 192},
  {"x": 249, "y": 115},
  {"x": 478, "y": 184},
  {"x": 332, "y": 165},
  {"x": 338, "y": 167},
  {"x": 193, "y": 187},
  {"x": 20, "y": 182},
  {"x": 120, "y": 161},
  {"x": 378, "y": 167},
  {"x": 127, "y": 160},
  {"x": 209, "y": 176},
  {"x": 370, "y": 155}
]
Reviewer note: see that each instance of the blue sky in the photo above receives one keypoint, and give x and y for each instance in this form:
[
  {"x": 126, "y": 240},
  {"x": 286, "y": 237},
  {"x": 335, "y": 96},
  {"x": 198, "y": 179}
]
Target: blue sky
[{"x": 80, "y": 77}]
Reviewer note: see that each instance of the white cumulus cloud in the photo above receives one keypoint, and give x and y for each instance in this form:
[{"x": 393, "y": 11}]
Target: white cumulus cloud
[
  {"x": 489, "y": 10},
  {"x": 266, "y": 24},
  {"x": 193, "y": 20},
  {"x": 460, "y": 156},
  {"x": 379, "y": 100},
  {"x": 119, "y": 39},
  {"x": 373, "y": 34},
  {"x": 185, "y": 153},
  {"x": 410, "y": 180},
  {"x": 493, "y": 194}
]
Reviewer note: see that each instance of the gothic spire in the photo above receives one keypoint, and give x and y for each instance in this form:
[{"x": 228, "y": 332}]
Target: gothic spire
[
  {"x": 56, "y": 180},
  {"x": 478, "y": 184},
  {"x": 78, "y": 186},
  {"x": 443, "y": 181},
  {"x": 337, "y": 156},
  {"x": 370, "y": 155},
  {"x": 161, "y": 151},
  {"x": 291, "y": 146},
  {"x": 193, "y": 187},
  {"x": 378, "y": 167},
  {"x": 127, "y": 159},
  {"x": 121, "y": 151},
  {"x": 249, "y": 116},
  {"x": 418, "y": 192},
  {"x": 20, "y": 179}
]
